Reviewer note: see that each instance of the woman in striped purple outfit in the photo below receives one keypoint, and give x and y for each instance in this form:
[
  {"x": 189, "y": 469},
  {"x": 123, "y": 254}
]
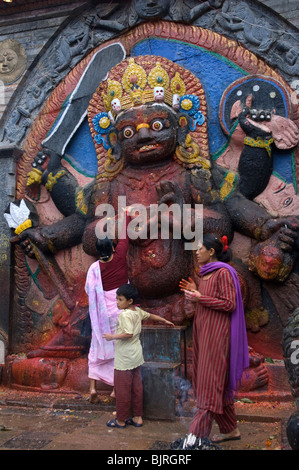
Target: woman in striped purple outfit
[{"x": 220, "y": 349}]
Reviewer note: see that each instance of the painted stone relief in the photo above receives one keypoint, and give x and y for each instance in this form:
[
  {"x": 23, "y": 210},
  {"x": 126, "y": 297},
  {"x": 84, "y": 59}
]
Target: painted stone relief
[{"x": 157, "y": 129}]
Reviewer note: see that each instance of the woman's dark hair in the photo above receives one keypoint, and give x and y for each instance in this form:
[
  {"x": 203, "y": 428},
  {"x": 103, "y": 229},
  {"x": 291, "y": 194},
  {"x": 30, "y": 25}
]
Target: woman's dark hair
[
  {"x": 104, "y": 248},
  {"x": 222, "y": 252},
  {"x": 128, "y": 291}
]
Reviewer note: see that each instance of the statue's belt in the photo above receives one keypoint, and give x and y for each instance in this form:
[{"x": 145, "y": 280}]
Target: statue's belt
[{"x": 266, "y": 144}]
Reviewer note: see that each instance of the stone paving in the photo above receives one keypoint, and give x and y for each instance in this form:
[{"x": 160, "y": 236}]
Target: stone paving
[{"x": 34, "y": 421}]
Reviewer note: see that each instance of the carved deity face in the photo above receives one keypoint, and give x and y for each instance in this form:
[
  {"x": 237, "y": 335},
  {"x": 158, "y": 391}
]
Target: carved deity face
[
  {"x": 269, "y": 263},
  {"x": 12, "y": 60},
  {"x": 146, "y": 134},
  {"x": 279, "y": 198},
  {"x": 8, "y": 61},
  {"x": 147, "y": 9}
]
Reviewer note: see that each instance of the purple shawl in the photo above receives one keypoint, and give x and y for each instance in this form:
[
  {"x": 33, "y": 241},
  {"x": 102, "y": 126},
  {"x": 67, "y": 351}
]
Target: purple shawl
[{"x": 239, "y": 357}]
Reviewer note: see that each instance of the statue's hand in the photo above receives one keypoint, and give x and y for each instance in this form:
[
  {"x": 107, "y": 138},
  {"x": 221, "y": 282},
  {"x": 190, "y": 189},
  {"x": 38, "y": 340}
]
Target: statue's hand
[
  {"x": 283, "y": 232},
  {"x": 31, "y": 238},
  {"x": 169, "y": 193},
  {"x": 284, "y": 132}
]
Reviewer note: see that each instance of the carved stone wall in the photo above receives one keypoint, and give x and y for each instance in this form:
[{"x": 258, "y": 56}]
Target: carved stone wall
[{"x": 288, "y": 9}]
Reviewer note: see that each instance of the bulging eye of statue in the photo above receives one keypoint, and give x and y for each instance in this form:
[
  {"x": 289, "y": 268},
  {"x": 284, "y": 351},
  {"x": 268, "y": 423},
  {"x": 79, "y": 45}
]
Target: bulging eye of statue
[
  {"x": 128, "y": 132},
  {"x": 288, "y": 201},
  {"x": 157, "y": 125}
]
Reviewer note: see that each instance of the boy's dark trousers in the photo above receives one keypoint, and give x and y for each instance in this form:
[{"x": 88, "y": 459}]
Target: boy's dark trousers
[{"x": 128, "y": 393}]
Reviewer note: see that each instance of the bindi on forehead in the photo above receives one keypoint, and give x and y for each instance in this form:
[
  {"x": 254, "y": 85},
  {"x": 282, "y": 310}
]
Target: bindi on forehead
[{"x": 138, "y": 116}]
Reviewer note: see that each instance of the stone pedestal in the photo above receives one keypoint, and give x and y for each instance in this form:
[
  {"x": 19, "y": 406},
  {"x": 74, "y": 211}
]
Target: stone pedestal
[
  {"x": 162, "y": 351},
  {"x": 159, "y": 390}
]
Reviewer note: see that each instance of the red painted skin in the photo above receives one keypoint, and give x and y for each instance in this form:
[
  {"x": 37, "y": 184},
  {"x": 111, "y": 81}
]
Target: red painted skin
[{"x": 147, "y": 137}]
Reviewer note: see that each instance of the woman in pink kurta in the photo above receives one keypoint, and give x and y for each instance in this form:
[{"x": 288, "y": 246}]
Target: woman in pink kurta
[
  {"x": 103, "y": 279},
  {"x": 220, "y": 350}
]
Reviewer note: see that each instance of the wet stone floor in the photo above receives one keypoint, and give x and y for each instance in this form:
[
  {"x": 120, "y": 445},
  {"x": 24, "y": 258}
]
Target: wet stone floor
[{"x": 45, "y": 427}]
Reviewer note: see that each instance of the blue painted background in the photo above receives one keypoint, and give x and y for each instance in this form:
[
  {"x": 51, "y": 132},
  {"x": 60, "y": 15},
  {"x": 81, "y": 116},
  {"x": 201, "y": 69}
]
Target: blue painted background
[{"x": 215, "y": 73}]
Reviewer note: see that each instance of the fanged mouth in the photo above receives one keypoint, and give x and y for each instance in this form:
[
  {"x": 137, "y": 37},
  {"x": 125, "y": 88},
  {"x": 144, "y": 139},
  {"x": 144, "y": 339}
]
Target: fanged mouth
[{"x": 146, "y": 148}]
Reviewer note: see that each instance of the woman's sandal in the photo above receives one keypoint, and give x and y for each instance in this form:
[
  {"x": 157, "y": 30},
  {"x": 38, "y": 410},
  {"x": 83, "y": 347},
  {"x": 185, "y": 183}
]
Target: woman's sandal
[
  {"x": 133, "y": 423},
  {"x": 223, "y": 438},
  {"x": 114, "y": 424}
]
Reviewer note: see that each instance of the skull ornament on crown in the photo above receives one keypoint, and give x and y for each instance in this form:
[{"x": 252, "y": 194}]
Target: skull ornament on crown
[
  {"x": 159, "y": 94},
  {"x": 115, "y": 105}
]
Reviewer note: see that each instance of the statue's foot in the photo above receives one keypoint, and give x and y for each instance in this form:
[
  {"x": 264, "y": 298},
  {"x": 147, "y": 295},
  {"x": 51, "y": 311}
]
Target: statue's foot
[
  {"x": 44, "y": 374},
  {"x": 258, "y": 378}
]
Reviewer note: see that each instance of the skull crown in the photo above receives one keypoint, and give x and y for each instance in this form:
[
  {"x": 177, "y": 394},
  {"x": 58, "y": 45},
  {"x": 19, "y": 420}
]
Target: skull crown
[{"x": 139, "y": 87}]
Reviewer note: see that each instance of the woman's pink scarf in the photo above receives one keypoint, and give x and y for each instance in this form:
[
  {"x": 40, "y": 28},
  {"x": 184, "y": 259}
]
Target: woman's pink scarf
[{"x": 99, "y": 318}]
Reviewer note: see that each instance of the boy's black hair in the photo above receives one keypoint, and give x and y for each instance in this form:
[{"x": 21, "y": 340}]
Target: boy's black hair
[
  {"x": 104, "y": 248},
  {"x": 128, "y": 291}
]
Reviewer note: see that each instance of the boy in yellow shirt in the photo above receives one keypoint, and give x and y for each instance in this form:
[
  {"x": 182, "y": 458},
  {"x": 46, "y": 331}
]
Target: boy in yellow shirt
[{"x": 128, "y": 357}]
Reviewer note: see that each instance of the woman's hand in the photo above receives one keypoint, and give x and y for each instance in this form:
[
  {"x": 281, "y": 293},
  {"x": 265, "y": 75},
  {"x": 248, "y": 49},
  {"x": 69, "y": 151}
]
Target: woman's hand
[
  {"x": 192, "y": 296},
  {"x": 187, "y": 285},
  {"x": 189, "y": 289}
]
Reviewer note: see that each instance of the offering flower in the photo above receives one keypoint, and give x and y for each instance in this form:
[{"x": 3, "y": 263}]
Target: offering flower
[{"x": 18, "y": 218}]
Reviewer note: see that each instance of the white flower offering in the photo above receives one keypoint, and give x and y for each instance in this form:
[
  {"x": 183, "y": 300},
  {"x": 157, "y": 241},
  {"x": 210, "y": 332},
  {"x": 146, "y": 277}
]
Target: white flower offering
[{"x": 18, "y": 218}]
